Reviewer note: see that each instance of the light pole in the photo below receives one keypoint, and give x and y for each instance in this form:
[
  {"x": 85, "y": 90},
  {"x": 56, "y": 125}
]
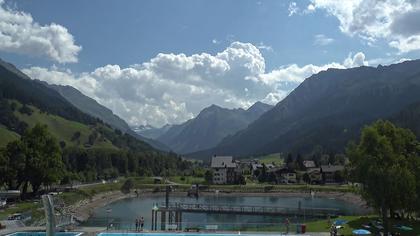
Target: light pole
[{"x": 108, "y": 211}]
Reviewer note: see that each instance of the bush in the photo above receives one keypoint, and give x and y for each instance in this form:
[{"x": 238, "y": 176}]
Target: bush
[
  {"x": 25, "y": 110},
  {"x": 127, "y": 186},
  {"x": 268, "y": 188},
  {"x": 208, "y": 176},
  {"x": 76, "y": 136}
]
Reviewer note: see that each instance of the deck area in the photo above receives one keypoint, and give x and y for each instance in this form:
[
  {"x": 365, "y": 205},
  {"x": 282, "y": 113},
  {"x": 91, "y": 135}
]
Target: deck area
[{"x": 247, "y": 210}]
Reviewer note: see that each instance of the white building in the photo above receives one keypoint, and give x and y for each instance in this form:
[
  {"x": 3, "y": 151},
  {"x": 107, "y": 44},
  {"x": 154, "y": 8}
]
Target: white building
[{"x": 225, "y": 170}]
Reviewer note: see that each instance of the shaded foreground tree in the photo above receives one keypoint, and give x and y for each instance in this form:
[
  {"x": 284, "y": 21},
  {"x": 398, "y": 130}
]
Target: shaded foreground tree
[
  {"x": 34, "y": 160},
  {"x": 386, "y": 163}
]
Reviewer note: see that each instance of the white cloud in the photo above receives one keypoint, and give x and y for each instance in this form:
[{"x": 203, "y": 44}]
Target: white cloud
[
  {"x": 215, "y": 41},
  {"x": 285, "y": 79},
  {"x": 293, "y": 8},
  {"x": 171, "y": 88},
  {"x": 395, "y": 21},
  {"x": 322, "y": 40},
  {"x": 357, "y": 60},
  {"x": 265, "y": 47},
  {"x": 310, "y": 8},
  {"x": 19, "y": 33},
  {"x": 386, "y": 61},
  {"x": 406, "y": 44}
]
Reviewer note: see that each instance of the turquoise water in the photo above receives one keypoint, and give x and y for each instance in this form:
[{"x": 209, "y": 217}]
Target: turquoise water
[
  {"x": 122, "y": 214},
  {"x": 181, "y": 234},
  {"x": 43, "y": 234}
]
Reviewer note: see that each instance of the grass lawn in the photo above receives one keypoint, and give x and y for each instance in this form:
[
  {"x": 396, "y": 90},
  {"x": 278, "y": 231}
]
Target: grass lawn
[
  {"x": 259, "y": 187},
  {"x": 22, "y": 207},
  {"x": 89, "y": 191},
  {"x": 271, "y": 158},
  {"x": 353, "y": 222},
  {"x": 187, "y": 180},
  {"x": 356, "y": 222}
]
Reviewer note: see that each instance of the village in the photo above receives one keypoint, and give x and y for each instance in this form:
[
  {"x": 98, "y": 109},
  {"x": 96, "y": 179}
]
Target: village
[{"x": 227, "y": 170}]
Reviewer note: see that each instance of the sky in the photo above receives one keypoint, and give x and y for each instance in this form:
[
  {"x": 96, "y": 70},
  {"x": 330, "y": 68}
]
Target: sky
[{"x": 157, "y": 62}]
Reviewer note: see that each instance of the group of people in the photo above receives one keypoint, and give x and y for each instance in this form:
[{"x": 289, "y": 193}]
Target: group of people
[
  {"x": 140, "y": 224},
  {"x": 333, "y": 230}
]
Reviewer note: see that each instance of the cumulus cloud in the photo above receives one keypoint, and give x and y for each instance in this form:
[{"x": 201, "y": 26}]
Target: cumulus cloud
[
  {"x": 171, "y": 88},
  {"x": 293, "y": 8},
  {"x": 395, "y": 21},
  {"x": 19, "y": 33},
  {"x": 322, "y": 40},
  {"x": 357, "y": 60}
]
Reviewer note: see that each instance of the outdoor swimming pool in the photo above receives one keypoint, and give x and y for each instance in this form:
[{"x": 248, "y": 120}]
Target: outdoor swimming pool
[
  {"x": 43, "y": 234},
  {"x": 184, "y": 234}
]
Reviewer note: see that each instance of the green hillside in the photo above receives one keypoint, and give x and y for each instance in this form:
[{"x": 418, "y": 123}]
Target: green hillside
[
  {"x": 7, "y": 136},
  {"x": 89, "y": 148},
  {"x": 65, "y": 130}
]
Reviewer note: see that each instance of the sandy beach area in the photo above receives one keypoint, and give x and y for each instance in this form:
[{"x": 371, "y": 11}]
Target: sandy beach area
[{"x": 82, "y": 210}]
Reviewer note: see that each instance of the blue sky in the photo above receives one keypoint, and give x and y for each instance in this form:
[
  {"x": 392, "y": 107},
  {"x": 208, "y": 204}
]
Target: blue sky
[
  {"x": 130, "y": 32},
  {"x": 271, "y": 46}
]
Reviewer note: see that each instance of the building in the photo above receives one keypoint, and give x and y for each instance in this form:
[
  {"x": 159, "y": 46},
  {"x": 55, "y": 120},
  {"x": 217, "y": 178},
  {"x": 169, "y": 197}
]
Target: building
[
  {"x": 314, "y": 176},
  {"x": 332, "y": 173},
  {"x": 225, "y": 170},
  {"x": 244, "y": 166},
  {"x": 282, "y": 175},
  {"x": 257, "y": 167},
  {"x": 309, "y": 164}
]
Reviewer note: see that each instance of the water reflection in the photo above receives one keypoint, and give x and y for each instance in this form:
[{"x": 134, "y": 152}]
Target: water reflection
[{"x": 124, "y": 212}]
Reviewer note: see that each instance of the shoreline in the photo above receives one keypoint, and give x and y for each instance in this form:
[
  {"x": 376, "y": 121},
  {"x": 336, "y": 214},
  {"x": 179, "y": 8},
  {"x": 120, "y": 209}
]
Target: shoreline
[{"x": 84, "y": 209}]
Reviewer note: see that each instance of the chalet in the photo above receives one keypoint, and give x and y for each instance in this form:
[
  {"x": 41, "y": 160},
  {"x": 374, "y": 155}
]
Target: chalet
[
  {"x": 315, "y": 176},
  {"x": 330, "y": 173},
  {"x": 256, "y": 168},
  {"x": 282, "y": 175},
  {"x": 309, "y": 164},
  {"x": 225, "y": 170}
]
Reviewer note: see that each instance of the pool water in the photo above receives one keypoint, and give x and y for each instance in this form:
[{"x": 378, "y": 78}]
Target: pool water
[
  {"x": 44, "y": 234},
  {"x": 186, "y": 234}
]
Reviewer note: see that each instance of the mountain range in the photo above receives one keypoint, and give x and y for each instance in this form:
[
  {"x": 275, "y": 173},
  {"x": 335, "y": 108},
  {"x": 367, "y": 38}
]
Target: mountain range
[
  {"x": 151, "y": 132},
  {"x": 25, "y": 102},
  {"x": 93, "y": 108},
  {"x": 325, "y": 111},
  {"x": 209, "y": 127},
  {"x": 328, "y": 109}
]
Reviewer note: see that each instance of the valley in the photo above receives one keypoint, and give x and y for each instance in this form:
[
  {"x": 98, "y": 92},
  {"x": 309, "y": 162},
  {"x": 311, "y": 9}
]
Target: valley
[{"x": 213, "y": 117}]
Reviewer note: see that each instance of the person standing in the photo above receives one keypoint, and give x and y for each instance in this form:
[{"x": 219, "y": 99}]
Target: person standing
[
  {"x": 287, "y": 224},
  {"x": 137, "y": 224},
  {"x": 141, "y": 223}
]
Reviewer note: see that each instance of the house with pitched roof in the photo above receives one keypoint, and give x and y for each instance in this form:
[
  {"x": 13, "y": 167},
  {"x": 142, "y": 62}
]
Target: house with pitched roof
[{"x": 225, "y": 170}]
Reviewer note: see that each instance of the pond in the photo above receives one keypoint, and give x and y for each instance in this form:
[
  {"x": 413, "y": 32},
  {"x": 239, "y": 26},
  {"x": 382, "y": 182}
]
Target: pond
[{"x": 122, "y": 214}]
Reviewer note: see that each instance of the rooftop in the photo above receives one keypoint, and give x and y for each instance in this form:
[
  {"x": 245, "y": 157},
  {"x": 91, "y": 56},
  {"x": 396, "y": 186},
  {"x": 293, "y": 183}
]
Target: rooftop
[
  {"x": 222, "y": 162},
  {"x": 331, "y": 168},
  {"x": 309, "y": 164}
]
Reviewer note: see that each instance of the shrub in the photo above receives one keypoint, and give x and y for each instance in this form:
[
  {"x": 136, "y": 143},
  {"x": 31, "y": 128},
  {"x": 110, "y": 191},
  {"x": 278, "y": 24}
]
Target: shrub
[{"x": 127, "y": 186}]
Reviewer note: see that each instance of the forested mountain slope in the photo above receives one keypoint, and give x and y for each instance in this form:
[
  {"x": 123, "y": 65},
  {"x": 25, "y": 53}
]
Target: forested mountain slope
[{"x": 328, "y": 109}]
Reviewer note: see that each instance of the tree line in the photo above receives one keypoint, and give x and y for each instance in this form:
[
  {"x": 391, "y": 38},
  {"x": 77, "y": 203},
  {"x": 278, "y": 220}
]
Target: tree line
[
  {"x": 36, "y": 160},
  {"x": 386, "y": 162}
]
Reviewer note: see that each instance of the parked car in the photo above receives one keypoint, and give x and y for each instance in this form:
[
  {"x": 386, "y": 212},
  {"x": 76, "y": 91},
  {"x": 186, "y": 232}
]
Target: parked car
[
  {"x": 16, "y": 216},
  {"x": 2, "y": 203}
]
